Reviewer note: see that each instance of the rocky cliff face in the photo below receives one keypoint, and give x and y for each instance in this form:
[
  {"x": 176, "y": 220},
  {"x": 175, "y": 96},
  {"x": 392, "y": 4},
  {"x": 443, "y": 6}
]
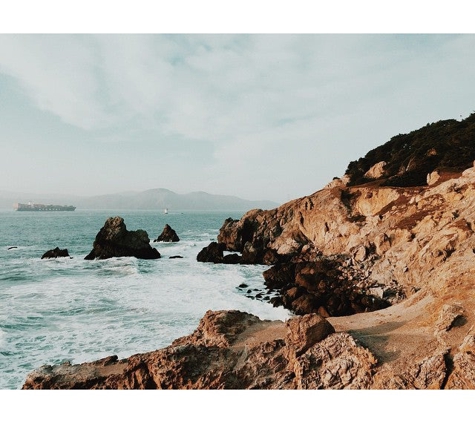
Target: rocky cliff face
[{"x": 385, "y": 243}]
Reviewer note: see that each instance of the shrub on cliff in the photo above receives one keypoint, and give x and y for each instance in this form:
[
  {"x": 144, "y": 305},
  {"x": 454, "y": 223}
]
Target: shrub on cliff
[{"x": 447, "y": 145}]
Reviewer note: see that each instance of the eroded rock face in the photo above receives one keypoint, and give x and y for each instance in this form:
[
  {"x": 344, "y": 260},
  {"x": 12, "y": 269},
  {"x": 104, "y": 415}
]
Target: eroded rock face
[
  {"x": 386, "y": 240},
  {"x": 228, "y": 350},
  {"x": 114, "y": 240},
  {"x": 167, "y": 235}
]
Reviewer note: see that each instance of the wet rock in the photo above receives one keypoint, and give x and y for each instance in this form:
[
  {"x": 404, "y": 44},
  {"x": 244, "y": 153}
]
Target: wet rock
[
  {"x": 214, "y": 253},
  {"x": 167, "y": 235},
  {"x": 114, "y": 240},
  {"x": 55, "y": 253}
]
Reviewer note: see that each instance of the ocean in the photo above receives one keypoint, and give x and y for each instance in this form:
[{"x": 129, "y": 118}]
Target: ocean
[{"x": 70, "y": 309}]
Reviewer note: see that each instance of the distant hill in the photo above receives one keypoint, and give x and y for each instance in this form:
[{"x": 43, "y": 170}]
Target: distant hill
[
  {"x": 153, "y": 199},
  {"x": 447, "y": 145},
  {"x": 163, "y": 198}
]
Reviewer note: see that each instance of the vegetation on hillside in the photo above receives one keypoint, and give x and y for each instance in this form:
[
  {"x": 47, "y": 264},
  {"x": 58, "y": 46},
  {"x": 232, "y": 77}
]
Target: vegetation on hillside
[{"x": 447, "y": 145}]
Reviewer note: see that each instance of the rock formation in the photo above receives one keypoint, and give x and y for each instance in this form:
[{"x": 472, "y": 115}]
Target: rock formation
[
  {"x": 114, "y": 240},
  {"x": 55, "y": 253},
  {"x": 229, "y": 350},
  {"x": 167, "y": 235}
]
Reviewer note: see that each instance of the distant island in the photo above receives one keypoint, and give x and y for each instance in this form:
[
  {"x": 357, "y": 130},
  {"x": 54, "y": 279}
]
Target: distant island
[{"x": 152, "y": 199}]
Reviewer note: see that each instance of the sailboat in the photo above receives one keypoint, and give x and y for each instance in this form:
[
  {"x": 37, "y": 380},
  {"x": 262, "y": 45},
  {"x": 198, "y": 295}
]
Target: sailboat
[{"x": 165, "y": 211}]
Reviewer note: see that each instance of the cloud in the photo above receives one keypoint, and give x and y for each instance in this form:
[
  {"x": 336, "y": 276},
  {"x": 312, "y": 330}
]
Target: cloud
[
  {"x": 57, "y": 72},
  {"x": 265, "y": 113}
]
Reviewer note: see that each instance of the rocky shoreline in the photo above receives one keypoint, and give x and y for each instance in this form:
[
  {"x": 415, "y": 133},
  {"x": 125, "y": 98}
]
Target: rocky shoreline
[{"x": 389, "y": 269}]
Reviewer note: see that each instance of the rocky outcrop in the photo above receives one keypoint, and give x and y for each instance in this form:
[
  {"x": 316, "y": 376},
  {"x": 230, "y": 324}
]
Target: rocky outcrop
[
  {"x": 55, "y": 253},
  {"x": 229, "y": 350},
  {"x": 114, "y": 240},
  {"x": 384, "y": 243},
  {"x": 167, "y": 235},
  {"x": 327, "y": 286},
  {"x": 236, "y": 350},
  {"x": 214, "y": 253}
]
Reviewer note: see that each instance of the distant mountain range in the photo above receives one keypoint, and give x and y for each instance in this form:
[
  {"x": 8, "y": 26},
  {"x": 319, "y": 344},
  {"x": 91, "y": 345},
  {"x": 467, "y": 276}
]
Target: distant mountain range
[{"x": 152, "y": 199}]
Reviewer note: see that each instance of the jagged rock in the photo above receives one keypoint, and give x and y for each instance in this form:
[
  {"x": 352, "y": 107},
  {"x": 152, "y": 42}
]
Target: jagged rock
[
  {"x": 56, "y": 253},
  {"x": 447, "y": 317},
  {"x": 323, "y": 286},
  {"x": 114, "y": 240},
  {"x": 167, "y": 235},
  {"x": 463, "y": 375},
  {"x": 214, "y": 252},
  {"x": 303, "y": 332},
  {"x": 228, "y": 350}
]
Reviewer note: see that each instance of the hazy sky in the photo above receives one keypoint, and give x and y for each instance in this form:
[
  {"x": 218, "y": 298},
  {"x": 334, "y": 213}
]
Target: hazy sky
[{"x": 257, "y": 116}]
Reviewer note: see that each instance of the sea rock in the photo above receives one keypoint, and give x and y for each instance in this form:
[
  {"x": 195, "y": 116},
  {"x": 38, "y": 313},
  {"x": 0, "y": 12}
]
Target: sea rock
[
  {"x": 55, "y": 253},
  {"x": 114, "y": 240},
  {"x": 214, "y": 252},
  {"x": 167, "y": 235}
]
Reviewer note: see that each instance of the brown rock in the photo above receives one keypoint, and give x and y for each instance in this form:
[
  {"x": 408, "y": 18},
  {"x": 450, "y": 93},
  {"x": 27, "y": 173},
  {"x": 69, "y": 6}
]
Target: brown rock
[
  {"x": 303, "y": 332},
  {"x": 167, "y": 235}
]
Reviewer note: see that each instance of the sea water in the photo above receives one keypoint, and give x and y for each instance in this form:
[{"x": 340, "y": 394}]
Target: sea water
[{"x": 71, "y": 309}]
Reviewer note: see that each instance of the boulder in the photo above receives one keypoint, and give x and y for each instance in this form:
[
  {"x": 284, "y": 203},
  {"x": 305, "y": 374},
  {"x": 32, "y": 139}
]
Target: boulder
[
  {"x": 55, "y": 253},
  {"x": 168, "y": 235},
  {"x": 304, "y": 331},
  {"x": 114, "y": 240}
]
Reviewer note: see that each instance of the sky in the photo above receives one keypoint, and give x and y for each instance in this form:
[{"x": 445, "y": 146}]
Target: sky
[{"x": 260, "y": 115}]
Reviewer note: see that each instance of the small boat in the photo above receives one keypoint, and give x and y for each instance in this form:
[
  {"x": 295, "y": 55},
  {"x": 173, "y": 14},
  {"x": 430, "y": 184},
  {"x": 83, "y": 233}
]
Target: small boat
[{"x": 165, "y": 211}]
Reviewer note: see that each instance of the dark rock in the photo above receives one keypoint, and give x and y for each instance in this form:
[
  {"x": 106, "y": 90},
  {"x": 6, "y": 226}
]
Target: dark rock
[
  {"x": 319, "y": 287},
  {"x": 168, "y": 235},
  {"x": 55, "y": 253},
  {"x": 175, "y": 257},
  {"x": 114, "y": 240},
  {"x": 232, "y": 259},
  {"x": 212, "y": 253}
]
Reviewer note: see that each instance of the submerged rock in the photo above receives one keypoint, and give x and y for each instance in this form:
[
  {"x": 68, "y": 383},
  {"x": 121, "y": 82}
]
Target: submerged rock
[
  {"x": 168, "y": 235},
  {"x": 114, "y": 240}
]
